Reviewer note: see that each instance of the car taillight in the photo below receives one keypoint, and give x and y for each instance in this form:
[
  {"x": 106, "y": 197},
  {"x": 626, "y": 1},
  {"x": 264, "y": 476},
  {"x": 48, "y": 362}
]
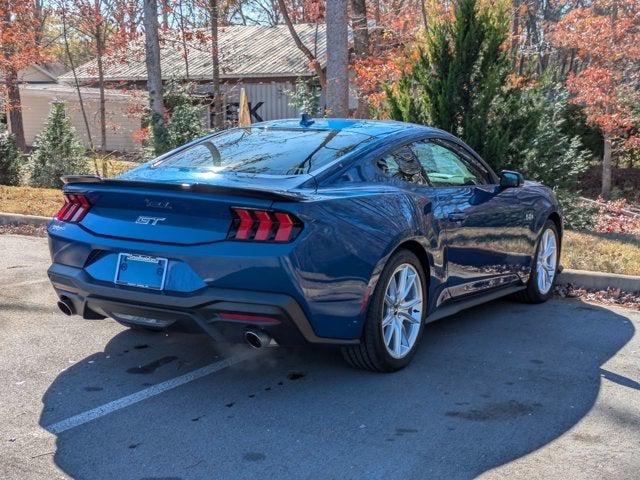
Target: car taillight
[
  {"x": 75, "y": 207},
  {"x": 263, "y": 225}
]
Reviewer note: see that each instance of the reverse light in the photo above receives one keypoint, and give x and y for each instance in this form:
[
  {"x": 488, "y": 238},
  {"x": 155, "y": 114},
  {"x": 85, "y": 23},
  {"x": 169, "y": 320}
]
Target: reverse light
[
  {"x": 263, "y": 225},
  {"x": 76, "y": 206}
]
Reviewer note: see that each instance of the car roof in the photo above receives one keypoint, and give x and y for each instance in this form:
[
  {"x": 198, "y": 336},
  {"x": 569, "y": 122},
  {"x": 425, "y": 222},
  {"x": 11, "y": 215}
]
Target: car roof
[{"x": 374, "y": 128}]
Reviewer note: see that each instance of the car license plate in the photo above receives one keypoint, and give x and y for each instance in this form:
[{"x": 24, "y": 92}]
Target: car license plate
[{"x": 141, "y": 271}]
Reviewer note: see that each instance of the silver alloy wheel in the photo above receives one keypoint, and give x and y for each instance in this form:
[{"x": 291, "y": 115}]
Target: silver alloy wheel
[
  {"x": 402, "y": 311},
  {"x": 547, "y": 261}
]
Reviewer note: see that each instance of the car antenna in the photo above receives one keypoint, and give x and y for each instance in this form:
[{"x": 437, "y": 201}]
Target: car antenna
[{"x": 305, "y": 120}]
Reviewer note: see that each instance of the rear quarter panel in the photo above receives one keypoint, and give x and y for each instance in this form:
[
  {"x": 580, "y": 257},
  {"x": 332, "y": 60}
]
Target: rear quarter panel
[{"x": 349, "y": 235}]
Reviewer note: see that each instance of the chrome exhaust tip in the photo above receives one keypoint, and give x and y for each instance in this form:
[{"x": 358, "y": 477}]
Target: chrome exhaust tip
[
  {"x": 258, "y": 339},
  {"x": 66, "y": 307}
]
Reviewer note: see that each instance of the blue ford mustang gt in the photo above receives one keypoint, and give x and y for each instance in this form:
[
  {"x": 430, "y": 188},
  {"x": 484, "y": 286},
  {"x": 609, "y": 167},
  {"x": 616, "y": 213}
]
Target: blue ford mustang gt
[{"x": 353, "y": 233}]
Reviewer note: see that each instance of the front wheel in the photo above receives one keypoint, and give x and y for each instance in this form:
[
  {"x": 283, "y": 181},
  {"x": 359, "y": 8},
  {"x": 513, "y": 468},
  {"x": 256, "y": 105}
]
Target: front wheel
[
  {"x": 545, "y": 266},
  {"x": 395, "y": 319}
]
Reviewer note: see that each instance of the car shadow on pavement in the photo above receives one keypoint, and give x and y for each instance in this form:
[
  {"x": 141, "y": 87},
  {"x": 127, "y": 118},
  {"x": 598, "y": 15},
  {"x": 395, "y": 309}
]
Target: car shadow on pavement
[{"x": 487, "y": 386}]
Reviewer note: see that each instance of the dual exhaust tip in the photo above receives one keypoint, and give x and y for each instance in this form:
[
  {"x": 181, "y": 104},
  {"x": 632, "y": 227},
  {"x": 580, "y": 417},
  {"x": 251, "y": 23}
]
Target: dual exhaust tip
[
  {"x": 66, "y": 307},
  {"x": 258, "y": 339}
]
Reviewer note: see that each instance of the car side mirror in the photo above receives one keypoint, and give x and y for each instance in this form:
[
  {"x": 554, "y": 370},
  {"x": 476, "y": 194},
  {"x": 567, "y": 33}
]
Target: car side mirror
[{"x": 509, "y": 179}]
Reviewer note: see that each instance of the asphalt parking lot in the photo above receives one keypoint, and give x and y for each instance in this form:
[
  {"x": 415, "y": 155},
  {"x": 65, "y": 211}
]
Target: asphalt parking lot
[{"x": 502, "y": 391}]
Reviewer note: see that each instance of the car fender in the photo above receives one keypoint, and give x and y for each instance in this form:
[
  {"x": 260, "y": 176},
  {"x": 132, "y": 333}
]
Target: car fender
[{"x": 549, "y": 206}]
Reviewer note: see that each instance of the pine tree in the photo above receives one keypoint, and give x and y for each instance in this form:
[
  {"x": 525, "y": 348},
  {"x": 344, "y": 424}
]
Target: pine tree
[
  {"x": 305, "y": 97},
  {"x": 540, "y": 148},
  {"x": 184, "y": 125},
  {"x": 10, "y": 160},
  {"x": 459, "y": 82},
  {"x": 455, "y": 79},
  {"x": 187, "y": 125},
  {"x": 58, "y": 151}
]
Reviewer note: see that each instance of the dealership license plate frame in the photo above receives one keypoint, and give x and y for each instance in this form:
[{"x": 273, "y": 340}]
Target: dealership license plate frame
[{"x": 138, "y": 260}]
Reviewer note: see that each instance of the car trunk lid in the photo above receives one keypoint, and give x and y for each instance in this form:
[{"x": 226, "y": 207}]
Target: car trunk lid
[{"x": 166, "y": 212}]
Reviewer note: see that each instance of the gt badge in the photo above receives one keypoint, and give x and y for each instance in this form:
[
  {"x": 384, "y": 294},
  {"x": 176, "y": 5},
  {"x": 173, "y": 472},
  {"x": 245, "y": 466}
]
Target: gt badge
[{"x": 149, "y": 220}]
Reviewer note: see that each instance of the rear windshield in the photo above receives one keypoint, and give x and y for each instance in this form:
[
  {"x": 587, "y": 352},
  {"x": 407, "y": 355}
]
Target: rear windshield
[{"x": 266, "y": 151}]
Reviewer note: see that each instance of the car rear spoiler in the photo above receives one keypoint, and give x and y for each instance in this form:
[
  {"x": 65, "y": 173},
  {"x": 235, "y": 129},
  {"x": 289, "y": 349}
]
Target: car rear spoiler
[{"x": 275, "y": 195}]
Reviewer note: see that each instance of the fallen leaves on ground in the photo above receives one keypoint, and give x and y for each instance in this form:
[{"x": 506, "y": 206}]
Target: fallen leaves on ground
[
  {"x": 611, "y": 296},
  {"x": 33, "y": 230}
]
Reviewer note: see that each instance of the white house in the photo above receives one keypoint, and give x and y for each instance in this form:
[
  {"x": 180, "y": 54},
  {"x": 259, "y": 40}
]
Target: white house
[{"x": 122, "y": 121}]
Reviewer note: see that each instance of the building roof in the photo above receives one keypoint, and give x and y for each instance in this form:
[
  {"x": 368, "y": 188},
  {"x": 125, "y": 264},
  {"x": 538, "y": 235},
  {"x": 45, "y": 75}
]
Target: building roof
[
  {"x": 34, "y": 74},
  {"x": 44, "y": 71},
  {"x": 62, "y": 91},
  {"x": 245, "y": 52}
]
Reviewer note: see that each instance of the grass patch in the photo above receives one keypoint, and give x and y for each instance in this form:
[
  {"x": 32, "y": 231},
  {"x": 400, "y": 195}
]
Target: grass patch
[
  {"x": 601, "y": 252},
  {"x": 30, "y": 201},
  {"x": 47, "y": 201}
]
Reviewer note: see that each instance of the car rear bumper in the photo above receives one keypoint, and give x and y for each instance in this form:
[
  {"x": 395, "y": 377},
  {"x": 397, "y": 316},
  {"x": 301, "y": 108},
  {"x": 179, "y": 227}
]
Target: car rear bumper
[{"x": 223, "y": 313}]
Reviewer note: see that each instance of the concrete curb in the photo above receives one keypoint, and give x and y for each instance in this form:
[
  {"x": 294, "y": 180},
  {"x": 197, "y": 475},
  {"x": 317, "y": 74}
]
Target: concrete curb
[
  {"x": 599, "y": 280},
  {"x": 19, "y": 219}
]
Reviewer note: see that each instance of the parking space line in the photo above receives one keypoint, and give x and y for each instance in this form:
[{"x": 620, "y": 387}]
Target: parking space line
[{"x": 157, "y": 389}]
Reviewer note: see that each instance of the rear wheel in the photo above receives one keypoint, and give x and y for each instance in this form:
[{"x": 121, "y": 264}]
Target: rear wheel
[
  {"x": 545, "y": 266},
  {"x": 395, "y": 319}
]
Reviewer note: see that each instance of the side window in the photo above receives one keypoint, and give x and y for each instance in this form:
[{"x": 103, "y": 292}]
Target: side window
[
  {"x": 444, "y": 167},
  {"x": 476, "y": 166},
  {"x": 389, "y": 165},
  {"x": 403, "y": 165}
]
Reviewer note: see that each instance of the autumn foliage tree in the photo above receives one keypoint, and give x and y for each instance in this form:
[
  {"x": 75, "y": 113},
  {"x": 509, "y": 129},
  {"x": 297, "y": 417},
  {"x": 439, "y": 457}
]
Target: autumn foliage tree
[
  {"x": 390, "y": 40},
  {"x": 107, "y": 25},
  {"x": 606, "y": 37},
  {"x": 19, "y": 48}
]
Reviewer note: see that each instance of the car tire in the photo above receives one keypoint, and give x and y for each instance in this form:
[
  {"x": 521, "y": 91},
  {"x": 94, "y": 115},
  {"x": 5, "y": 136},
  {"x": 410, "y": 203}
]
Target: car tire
[
  {"x": 376, "y": 350},
  {"x": 535, "y": 293}
]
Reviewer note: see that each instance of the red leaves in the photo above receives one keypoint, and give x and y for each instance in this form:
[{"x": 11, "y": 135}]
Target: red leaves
[
  {"x": 613, "y": 217},
  {"x": 19, "y": 25},
  {"x": 392, "y": 42},
  {"x": 606, "y": 36},
  {"x": 315, "y": 10},
  {"x": 371, "y": 71},
  {"x": 306, "y": 11},
  {"x": 142, "y": 134}
]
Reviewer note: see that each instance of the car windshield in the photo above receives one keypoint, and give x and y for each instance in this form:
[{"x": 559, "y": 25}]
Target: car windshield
[{"x": 266, "y": 151}]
